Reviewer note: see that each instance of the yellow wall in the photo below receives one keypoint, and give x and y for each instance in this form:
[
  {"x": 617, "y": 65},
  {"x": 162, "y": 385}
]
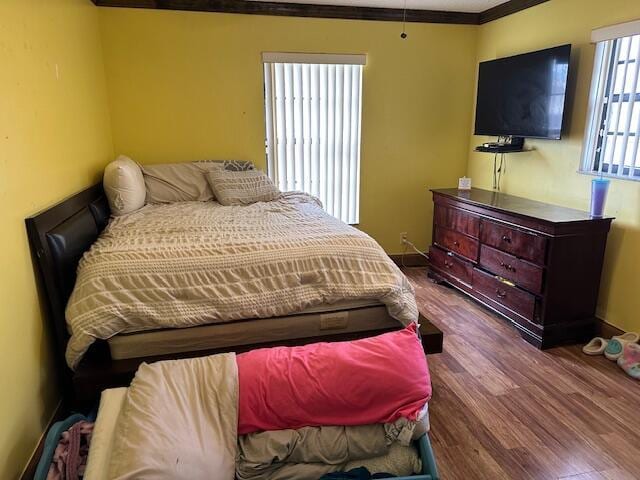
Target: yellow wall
[
  {"x": 54, "y": 140},
  {"x": 189, "y": 85},
  {"x": 550, "y": 172},
  {"x": 185, "y": 86}
]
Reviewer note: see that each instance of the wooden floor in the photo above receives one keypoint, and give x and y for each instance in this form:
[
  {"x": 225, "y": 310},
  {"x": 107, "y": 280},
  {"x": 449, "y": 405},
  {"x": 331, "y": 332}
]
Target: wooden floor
[{"x": 503, "y": 409}]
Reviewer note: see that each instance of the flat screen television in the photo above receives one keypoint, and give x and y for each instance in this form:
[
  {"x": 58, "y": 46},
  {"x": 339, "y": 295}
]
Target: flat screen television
[{"x": 524, "y": 95}]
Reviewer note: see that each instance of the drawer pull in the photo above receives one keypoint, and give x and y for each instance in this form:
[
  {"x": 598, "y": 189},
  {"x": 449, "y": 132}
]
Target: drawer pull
[
  {"x": 447, "y": 264},
  {"x": 507, "y": 266},
  {"x": 456, "y": 243},
  {"x": 506, "y": 239},
  {"x": 501, "y": 293}
]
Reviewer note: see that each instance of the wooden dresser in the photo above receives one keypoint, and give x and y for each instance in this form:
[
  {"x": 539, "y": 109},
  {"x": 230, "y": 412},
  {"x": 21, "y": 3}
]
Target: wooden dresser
[{"x": 537, "y": 264}]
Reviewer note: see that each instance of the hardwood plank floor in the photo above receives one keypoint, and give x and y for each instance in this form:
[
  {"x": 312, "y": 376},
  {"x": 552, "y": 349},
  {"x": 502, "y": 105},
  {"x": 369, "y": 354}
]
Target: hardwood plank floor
[{"x": 502, "y": 409}]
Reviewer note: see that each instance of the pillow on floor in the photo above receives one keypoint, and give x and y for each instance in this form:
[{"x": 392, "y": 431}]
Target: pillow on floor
[
  {"x": 242, "y": 188},
  {"x": 373, "y": 380},
  {"x": 124, "y": 186}
]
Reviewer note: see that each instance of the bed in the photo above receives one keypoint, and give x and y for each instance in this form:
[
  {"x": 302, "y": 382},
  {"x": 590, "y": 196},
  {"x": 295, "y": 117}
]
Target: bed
[{"x": 60, "y": 236}]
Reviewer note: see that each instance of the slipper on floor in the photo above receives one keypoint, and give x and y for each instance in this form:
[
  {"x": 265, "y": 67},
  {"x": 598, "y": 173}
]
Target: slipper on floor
[
  {"x": 616, "y": 344},
  {"x": 595, "y": 346},
  {"x": 629, "y": 361}
]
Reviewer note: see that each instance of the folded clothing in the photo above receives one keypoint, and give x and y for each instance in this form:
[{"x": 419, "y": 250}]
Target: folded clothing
[
  {"x": 261, "y": 455},
  {"x": 317, "y": 450},
  {"x": 312, "y": 452},
  {"x": 400, "y": 460},
  {"x": 362, "y": 382}
]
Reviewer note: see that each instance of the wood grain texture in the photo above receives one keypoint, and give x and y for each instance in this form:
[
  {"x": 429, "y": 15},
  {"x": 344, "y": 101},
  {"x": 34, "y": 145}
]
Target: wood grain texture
[
  {"x": 457, "y": 267},
  {"x": 517, "y": 242},
  {"x": 552, "y": 253},
  {"x": 504, "y": 410},
  {"x": 456, "y": 219},
  {"x": 456, "y": 242},
  {"x": 525, "y": 274},
  {"x": 327, "y": 11}
]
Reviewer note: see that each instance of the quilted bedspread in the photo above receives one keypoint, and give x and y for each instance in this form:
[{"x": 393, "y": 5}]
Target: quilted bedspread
[{"x": 191, "y": 263}]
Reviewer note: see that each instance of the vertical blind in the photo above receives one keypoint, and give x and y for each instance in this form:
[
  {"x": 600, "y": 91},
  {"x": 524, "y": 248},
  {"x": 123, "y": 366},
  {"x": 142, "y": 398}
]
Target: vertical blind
[
  {"x": 313, "y": 116},
  {"x": 612, "y": 143}
]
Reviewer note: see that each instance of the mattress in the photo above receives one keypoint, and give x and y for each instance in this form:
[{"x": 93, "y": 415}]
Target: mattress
[
  {"x": 187, "y": 264},
  {"x": 337, "y": 318}
]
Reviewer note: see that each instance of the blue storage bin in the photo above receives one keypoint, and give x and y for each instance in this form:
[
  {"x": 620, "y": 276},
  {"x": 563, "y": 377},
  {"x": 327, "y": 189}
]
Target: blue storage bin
[{"x": 429, "y": 468}]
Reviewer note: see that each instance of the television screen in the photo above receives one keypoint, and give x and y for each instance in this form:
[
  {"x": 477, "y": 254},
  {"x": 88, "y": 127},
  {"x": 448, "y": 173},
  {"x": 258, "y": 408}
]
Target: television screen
[{"x": 524, "y": 95}]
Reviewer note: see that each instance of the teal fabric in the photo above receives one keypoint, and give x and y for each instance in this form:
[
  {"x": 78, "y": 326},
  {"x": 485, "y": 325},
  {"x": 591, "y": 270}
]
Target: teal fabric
[
  {"x": 51, "y": 442},
  {"x": 614, "y": 347}
]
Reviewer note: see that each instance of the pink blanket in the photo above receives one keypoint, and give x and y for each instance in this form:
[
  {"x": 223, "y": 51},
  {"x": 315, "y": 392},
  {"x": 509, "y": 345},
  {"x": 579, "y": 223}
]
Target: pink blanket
[{"x": 373, "y": 380}]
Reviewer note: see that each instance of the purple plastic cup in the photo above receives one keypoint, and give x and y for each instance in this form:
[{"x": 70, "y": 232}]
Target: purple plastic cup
[{"x": 599, "y": 189}]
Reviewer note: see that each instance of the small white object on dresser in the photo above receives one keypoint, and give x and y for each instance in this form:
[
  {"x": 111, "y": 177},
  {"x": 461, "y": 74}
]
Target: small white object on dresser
[{"x": 464, "y": 183}]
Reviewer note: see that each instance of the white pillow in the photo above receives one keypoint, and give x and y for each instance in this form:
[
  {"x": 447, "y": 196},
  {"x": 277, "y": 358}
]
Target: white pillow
[
  {"x": 242, "y": 188},
  {"x": 124, "y": 186}
]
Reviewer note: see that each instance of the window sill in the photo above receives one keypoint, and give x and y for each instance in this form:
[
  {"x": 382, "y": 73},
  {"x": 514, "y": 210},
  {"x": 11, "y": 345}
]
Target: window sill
[{"x": 608, "y": 175}]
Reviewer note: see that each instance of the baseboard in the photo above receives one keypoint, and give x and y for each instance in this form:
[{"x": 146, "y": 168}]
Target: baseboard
[
  {"x": 30, "y": 470},
  {"x": 409, "y": 260},
  {"x": 606, "y": 330}
]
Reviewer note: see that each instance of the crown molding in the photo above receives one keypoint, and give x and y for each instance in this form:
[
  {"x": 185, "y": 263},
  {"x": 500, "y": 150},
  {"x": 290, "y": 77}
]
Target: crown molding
[{"x": 327, "y": 11}]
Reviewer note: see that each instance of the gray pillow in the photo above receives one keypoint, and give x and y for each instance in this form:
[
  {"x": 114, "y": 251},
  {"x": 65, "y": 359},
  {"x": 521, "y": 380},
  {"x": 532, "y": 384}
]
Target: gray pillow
[
  {"x": 184, "y": 182},
  {"x": 242, "y": 187}
]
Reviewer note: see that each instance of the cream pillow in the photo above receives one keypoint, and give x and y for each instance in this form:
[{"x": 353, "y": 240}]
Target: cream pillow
[
  {"x": 124, "y": 186},
  {"x": 184, "y": 182},
  {"x": 242, "y": 188}
]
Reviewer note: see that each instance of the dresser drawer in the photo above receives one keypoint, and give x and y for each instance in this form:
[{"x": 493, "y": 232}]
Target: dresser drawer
[
  {"x": 457, "y": 243},
  {"x": 458, "y": 220},
  {"x": 517, "y": 242},
  {"x": 525, "y": 274},
  {"x": 516, "y": 300},
  {"x": 451, "y": 264}
]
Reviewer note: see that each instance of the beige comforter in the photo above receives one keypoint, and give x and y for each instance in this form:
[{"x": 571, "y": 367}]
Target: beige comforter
[{"x": 192, "y": 263}]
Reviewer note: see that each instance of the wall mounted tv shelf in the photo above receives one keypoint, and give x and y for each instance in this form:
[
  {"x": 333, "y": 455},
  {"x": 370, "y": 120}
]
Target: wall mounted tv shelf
[{"x": 502, "y": 149}]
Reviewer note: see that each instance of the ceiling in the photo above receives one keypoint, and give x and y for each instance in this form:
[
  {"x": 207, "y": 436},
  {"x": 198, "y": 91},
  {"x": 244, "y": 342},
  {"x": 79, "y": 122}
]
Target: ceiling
[{"x": 473, "y": 6}]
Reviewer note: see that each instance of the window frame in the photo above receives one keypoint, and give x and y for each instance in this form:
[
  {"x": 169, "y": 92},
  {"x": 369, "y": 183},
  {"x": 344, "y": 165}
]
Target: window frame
[
  {"x": 270, "y": 60},
  {"x": 593, "y": 160}
]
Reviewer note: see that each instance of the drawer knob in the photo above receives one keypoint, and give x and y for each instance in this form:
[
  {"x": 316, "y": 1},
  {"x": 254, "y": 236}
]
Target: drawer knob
[
  {"x": 501, "y": 293},
  {"x": 507, "y": 267},
  {"x": 506, "y": 239},
  {"x": 456, "y": 243}
]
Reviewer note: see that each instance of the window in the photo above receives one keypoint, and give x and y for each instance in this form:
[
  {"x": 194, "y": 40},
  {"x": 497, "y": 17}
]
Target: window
[
  {"x": 313, "y": 112},
  {"x": 613, "y": 132}
]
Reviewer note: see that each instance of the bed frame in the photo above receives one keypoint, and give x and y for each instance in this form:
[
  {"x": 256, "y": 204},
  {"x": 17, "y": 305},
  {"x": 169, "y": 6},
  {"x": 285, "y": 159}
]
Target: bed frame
[{"x": 58, "y": 237}]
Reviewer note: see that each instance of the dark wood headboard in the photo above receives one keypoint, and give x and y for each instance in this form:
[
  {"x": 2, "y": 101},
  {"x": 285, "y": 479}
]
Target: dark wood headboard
[{"x": 58, "y": 237}]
